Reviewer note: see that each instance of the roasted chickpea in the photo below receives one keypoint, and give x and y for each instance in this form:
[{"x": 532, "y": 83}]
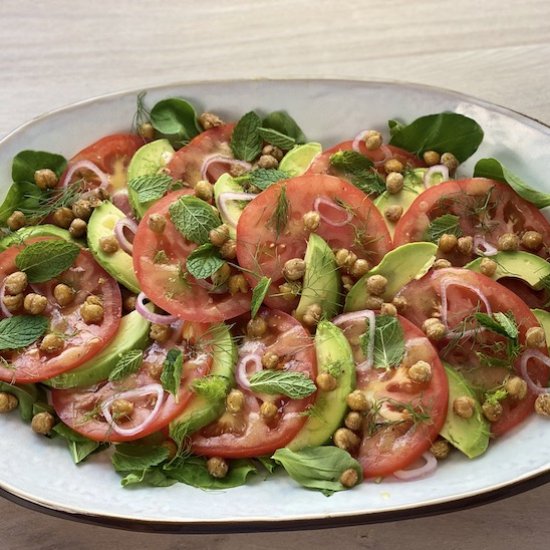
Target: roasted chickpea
[
  {"x": 311, "y": 220},
  {"x": 78, "y": 228},
  {"x": 234, "y": 401},
  {"x": 376, "y": 285},
  {"x": 219, "y": 235},
  {"x": 349, "y": 478},
  {"x": 108, "y": 244},
  {"x": 373, "y": 140},
  {"x": 535, "y": 337},
  {"x": 16, "y": 221},
  {"x": 294, "y": 269},
  {"x": 222, "y": 275},
  {"x": 63, "y": 217},
  {"x": 326, "y": 382},
  {"x": 157, "y": 223},
  {"x": 35, "y": 304},
  {"x": 8, "y": 402},
  {"x": 394, "y": 183},
  {"x": 532, "y": 240},
  {"x": 15, "y": 283},
  {"x": 450, "y": 161},
  {"x": 442, "y": 263},
  {"x": 228, "y": 250},
  {"x": 353, "y": 421},
  {"x": 256, "y": 327},
  {"x": 42, "y": 423},
  {"x": 465, "y": 245},
  {"x": 268, "y": 161},
  {"x": 431, "y": 158},
  {"x": 13, "y": 303},
  {"x": 312, "y": 315},
  {"x": 209, "y": 120},
  {"x": 345, "y": 439},
  {"x": 91, "y": 311},
  {"x": 122, "y": 408},
  {"x": 146, "y": 130},
  {"x": 268, "y": 411},
  {"x": 393, "y": 213},
  {"x": 160, "y": 333},
  {"x": 542, "y": 404},
  {"x": 217, "y": 467},
  {"x": 270, "y": 360},
  {"x": 516, "y": 387},
  {"x": 63, "y": 294},
  {"x": 492, "y": 410},
  {"x": 421, "y": 372},
  {"x": 388, "y": 309},
  {"x": 82, "y": 209},
  {"x": 359, "y": 268},
  {"x": 345, "y": 258},
  {"x": 52, "y": 344},
  {"x": 358, "y": 401},
  {"x": 447, "y": 243},
  {"x": 273, "y": 151},
  {"x": 440, "y": 449},
  {"x": 393, "y": 165},
  {"x": 435, "y": 330},
  {"x": 508, "y": 242},
  {"x": 488, "y": 267},
  {"x": 237, "y": 283},
  {"x": 45, "y": 178},
  {"x": 464, "y": 406}
]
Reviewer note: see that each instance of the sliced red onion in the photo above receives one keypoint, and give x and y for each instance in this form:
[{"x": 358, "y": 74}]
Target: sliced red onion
[
  {"x": 150, "y": 389},
  {"x": 483, "y": 248},
  {"x": 437, "y": 169},
  {"x": 225, "y": 197},
  {"x": 241, "y": 372},
  {"x": 428, "y": 468},
  {"x": 358, "y": 316},
  {"x": 388, "y": 154},
  {"x": 5, "y": 311},
  {"x": 215, "y": 159},
  {"x": 324, "y": 201},
  {"x": 86, "y": 165},
  {"x": 120, "y": 226},
  {"x": 121, "y": 200},
  {"x": 358, "y": 139},
  {"x": 533, "y": 354},
  {"x": 157, "y": 318}
]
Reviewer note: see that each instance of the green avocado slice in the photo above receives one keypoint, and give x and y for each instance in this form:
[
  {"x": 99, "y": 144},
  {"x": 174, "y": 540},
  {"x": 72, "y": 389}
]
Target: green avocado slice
[
  {"x": 233, "y": 209},
  {"x": 132, "y": 334},
  {"x": 543, "y": 317},
  {"x": 468, "y": 435},
  {"x": 400, "y": 267},
  {"x": 334, "y": 356},
  {"x": 119, "y": 264},
  {"x": 46, "y": 230},
  {"x": 299, "y": 158}
]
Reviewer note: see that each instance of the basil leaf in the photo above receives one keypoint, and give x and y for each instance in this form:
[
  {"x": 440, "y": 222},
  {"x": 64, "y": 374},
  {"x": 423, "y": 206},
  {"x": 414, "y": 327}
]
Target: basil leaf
[
  {"x": 150, "y": 187},
  {"x": 26, "y": 163},
  {"x": 130, "y": 457},
  {"x": 193, "y": 471},
  {"x": 283, "y": 123},
  {"x": 204, "y": 261},
  {"x": 262, "y": 177},
  {"x": 20, "y": 331},
  {"x": 127, "y": 363},
  {"x": 358, "y": 169},
  {"x": 170, "y": 377},
  {"x": 176, "y": 119},
  {"x": 212, "y": 387},
  {"x": 80, "y": 447},
  {"x": 443, "y": 132},
  {"x": 448, "y": 224},
  {"x": 27, "y": 395},
  {"x": 493, "y": 169},
  {"x": 277, "y": 139},
  {"x": 246, "y": 142},
  {"x": 295, "y": 385},
  {"x": 44, "y": 260},
  {"x": 194, "y": 218},
  {"x": 318, "y": 468},
  {"x": 389, "y": 342},
  {"x": 258, "y": 295}
]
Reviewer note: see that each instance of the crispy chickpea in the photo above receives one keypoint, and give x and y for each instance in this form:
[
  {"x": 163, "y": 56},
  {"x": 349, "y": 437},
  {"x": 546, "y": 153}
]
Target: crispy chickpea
[
  {"x": 441, "y": 263},
  {"x": 289, "y": 291},
  {"x": 13, "y": 303},
  {"x": 421, "y": 371},
  {"x": 91, "y": 311},
  {"x": 15, "y": 283},
  {"x": 542, "y": 404},
  {"x": 256, "y": 327},
  {"x": 234, "y": 402},
  {"x": 237, "y": 283},
  {"x": 204, "y": 190},
  {"x": 373, "y": 302},
  {"x": 273, "y": 151},
  {"x": 42, "y": 423},
  {"x": 146, "y": 130},
  {"x": 122, "y": 408},
  {"x": 516, "y": 387},
  {"x": 108, "y": 244},
  {"x": 394, "y": 183},
  {"x": 294, "y": 269},
  {"x": 440, "y": 449},
  {"x": 492, "y": 410},
  {"x": 400, "y": 302},
  {"x": 157, "y": 223},
  {"x": 209, "y": 120},
  {"x": 532, "y": 240},
  {"x": 353, "y": 421},
  {"x": 160, "y": 333},
  {"x": 435, "y": 330},
  {"x": 270, "y": 360},
  {"x": 393, "y": 165},
  {"x": 345, "y": 258},
  {"x": 217, "y": 467},
  {"x": 311, "y": 220},
  {"x": 393, "y": 213},
  {"x": 373, "y": 140},
  {"x": 63, "y": 294},
  {"x": 221, "y": 276},
  {"x": 155, "y": 370},
  {"x": 447, "y": 243},
  {"x": 16, "y": 221},
  {"x": 82, "y": 209},
  {"x": 347, "y": 282},
  {"x": 45, "y": 178},
  {"x": 345, "y": 439},
  {"x": 268, "y": 161},
  {"x": 8, "y": 402},
  {"x": 63, "y": 217},
  {"x": 431, "y": 158},
  {"x": 78, "y": 228},
  {"x": 377, "y": 284},
  {"x": 450, "y": 161},
  {"x": 465, "y": 245},
  {"x": 464, "y": 406},
  {"x": 535, "y": 337},
  {"x": 219, "y": 235},
  {"x": 35, "y": 304},
  {"x": 129, "y": 303},
  {"x": 312, "y": 315},
  {"x": 237, "y": 170},
  {"x": 326, "y": 382},
  {"x": 228, "y": 250},
  {"x": 52, "y": 344},
  {"x": 349, "y": 478},
  {"x": 358, "y": 401},
  {"x": 388, "y": 309},
  {"x": 268, "y": 411},
  {"x": 488, "y": 267},
  {"x": 508, "y": 242},
  {"x": 359, "y": 268}
]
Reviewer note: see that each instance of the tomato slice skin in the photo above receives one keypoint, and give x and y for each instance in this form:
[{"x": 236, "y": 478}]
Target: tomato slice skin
[
  {"x": 246, "y": 434},
  {"x": 161, "y": 281},
  {"x": 76, "y": 407},
  {"x": 423, "y": 297},
  {"x": 82, "y": 341},
  {"x": 506, "y": 212},
  {"x": 261, "y": 251}
]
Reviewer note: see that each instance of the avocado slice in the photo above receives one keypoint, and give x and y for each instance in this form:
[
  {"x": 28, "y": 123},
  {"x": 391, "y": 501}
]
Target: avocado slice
[
  {"x": 468, "y": 435},
  {"x": 299, "y": 158},
  {"x": 120, "y": 264},
  {"x": 202, "y": 411},
  {"x": 321, "y": 283},
  {"x": 334, "y": 356},
  {"x": 132, "y": 334},
  {"x": 46, "y": 230},
  {"x": 543, "y": 317},
  {"x": 400, "y": 266},
  {"x": 233, "y": 209},
  {"x": 147, "y": 161}
]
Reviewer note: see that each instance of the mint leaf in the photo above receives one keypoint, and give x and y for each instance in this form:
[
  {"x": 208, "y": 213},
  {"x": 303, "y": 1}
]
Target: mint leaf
[
  {"x": 204, "y": 261},
  {"x": 80, "y": 447},
  {"x": 170, "y": 377},
  {"x": 359, "y": 170},
  {"x": 44, "y": 260},
  {"x": 501, "y": 323},
  {"x": 150, "y": 187},
  {"x": 283, "y": 123},
  {"x": 258, "y": 295},
  {"x": 194, "y": 218},
  {"x": 27, "y": 395},
  {"x": 262, "y": 178},
  {"x": 176, "y": 119},
  {"x": 295, "y": 385},
  {"x": 350, "y": 161},
  {"x": 389, "y": 342},
  {"x": 212, "y": 387},
  {"x": 277, "y": 139},
  {"x": 20, "y": 331},
  {"x": 246, "y": 142},
  {"x": 26, "y": 163},
  {"x": 447, "y": 224},
  {"x": 127, "y": 363}
]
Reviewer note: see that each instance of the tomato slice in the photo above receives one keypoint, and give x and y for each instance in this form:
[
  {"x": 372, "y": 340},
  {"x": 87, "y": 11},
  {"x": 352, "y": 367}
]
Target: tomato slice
[
  {"x": 81, "y": 340},
  {"x": 187, "y": 162},
  {"x": 265, "y": 242},
  {"x": 480, "y": 355},
  {"x": 81, "y": 409},
  {"x": 245, "y": 433},
  {"x": 407, "y": 415},
  {"x": 484, "y": 207},
  {"x": 158, "y": 262}
]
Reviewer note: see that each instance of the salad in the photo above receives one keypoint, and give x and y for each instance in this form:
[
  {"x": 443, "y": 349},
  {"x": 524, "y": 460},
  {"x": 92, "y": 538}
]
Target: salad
[{"x": 209, "y": 300}]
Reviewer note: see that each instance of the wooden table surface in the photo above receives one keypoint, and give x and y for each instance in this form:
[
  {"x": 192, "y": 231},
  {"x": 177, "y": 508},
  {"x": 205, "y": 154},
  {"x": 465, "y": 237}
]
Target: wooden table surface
[{"x": 57, "y": 52}]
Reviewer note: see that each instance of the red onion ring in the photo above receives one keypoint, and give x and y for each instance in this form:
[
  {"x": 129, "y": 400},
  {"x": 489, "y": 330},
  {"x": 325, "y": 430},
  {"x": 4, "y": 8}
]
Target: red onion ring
[
  {"x": 357, "y": 316},
  {"x": 85, "y": 165},
  {"x": 213, "y": 159},
  {"x": 486, "y": 250},
  {"x": 241, "y": 372},
  {"x": 120, "y": 226},
  {"x": 5, "y": 311},
  {"x": 437, "y": 169},
  {"x": 225, "y": 197},
  {"x": 319, "y": 201},
  {"x": 150, "y": 389},
  {"x": 157, "y": 318},
  {"x": 429, "y": 467},
  {"x": 532, "y": 354},
  {"x": 388, "y": 154},
  {"x": 358, "y": 139}
]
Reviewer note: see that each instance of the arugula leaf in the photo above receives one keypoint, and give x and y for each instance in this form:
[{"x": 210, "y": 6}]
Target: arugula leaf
[
  {"x": 359, "y": 170},
  {"x": 176, "y": 119},
  {"x": 442, "y": 132},
  {"x": 204, "y": 261},
  {"x": 258, "y": 295},
  {"x": 448, "y": 224},
  {"x": 389, "y": 342},
  {"x": 44, "y": 260},
  {"x": 150, "y": 187},
  {"x": 212, "y": 387},
  {"x": 283, "y": 123},
  {"x": 152, "y": 477},
  {"x": 27, "y": 395},
  {"x": 194, "y": 218},
  {"x": 493, "y": 169},
  {"x": 295, "y": 385},
  {"x": 80, "y": 447},
  {"x": 281, "y": 214},
  {"x": 21, "y": 330},
  {"x": 246, "y": 142},
  {"x": 262, "y": 177},
  {"x": 277, "y": 139},
  {"x": 318, "y": 468},
  {"x": 26, "y": 163},
  {"x": 170, "y": 377},
  {"x": 501, "y": 323},
  {"x": 127, "y": 363}
]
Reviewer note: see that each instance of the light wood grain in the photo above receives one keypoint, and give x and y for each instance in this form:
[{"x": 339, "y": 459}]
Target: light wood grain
[{"x": 57, "y": 52}]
